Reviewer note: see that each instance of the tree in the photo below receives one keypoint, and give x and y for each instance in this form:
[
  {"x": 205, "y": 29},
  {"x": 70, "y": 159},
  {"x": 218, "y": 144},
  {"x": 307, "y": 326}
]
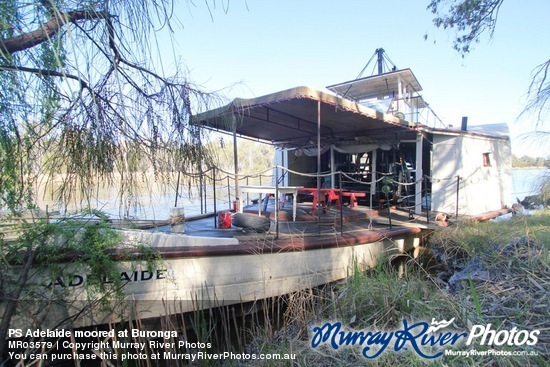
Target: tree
[
  {"x": 471, "y": 19},
  {"x": 84, "y": 99},
  {"x": 78, "y": 86}
]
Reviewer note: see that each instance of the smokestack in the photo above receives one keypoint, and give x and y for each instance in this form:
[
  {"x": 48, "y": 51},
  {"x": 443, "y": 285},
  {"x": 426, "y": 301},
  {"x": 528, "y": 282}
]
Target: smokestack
[
  {"x": 380, "y": 60},
  {"x": 464, "y": 123}
]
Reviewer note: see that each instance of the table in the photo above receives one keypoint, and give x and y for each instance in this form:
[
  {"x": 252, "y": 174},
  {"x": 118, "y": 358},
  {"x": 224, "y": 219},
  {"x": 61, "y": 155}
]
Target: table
[
  {"x": 353, "y": 195},
  {"x": 284, "y": 190},
  {"x": 328, "y": 195}
]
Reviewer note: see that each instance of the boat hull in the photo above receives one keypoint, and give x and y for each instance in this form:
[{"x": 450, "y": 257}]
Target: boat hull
[{"x": 200, "y": 273}]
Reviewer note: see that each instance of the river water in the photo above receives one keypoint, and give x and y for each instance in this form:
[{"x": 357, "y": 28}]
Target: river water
[
  {"x": 526, "y": 181},
  {"x": 156, "y": 202}
]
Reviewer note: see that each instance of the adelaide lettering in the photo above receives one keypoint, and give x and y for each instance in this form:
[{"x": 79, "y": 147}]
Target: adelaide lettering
[{"x": 75, "y": 280}]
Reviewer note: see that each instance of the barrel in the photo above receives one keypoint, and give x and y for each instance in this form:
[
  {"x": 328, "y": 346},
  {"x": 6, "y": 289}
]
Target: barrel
[{"x": 224, "y": 220}]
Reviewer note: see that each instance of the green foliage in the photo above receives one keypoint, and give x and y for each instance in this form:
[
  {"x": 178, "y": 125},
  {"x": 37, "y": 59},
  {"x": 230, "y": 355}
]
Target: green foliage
[
  {"x": 39, "y": 266},
  {"x": 81, "y": 103},
  {"x": 476, "y": 238},
  {"x": 469, "y": 18},
  {"x": 475, "y": 297},
  {"x": 529, "y": 162},
  {"x": 254, "y": 157},
  {"x": 383, "y": 297},
  {"x": 66, "y": 245},
  {"x": 25, "y": 99},
  {"x": 543, "y": 187}
]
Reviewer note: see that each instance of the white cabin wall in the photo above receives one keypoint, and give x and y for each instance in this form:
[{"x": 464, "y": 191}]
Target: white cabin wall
[
  {"x": 482, "y": 188},
  {"x": 480, "y": 183},
  {"x": 446, "y": 166}
]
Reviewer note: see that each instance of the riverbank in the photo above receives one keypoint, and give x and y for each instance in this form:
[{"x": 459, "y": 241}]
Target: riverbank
[{"x": 491, "y": 278}]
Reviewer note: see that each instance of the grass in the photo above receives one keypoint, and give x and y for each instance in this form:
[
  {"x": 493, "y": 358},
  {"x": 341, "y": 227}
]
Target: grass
[{"x": 515, "y": 293}]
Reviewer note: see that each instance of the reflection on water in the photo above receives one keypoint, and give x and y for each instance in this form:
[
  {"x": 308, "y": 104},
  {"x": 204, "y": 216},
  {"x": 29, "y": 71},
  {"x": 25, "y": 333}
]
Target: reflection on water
[
  {"x": 154, "y": 200},
  {"x": 148, "y": 199},
  {"x": 526, "y": 181}
]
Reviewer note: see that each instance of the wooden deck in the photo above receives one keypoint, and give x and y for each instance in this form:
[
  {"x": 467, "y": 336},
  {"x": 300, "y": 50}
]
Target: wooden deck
[
  {"x": 330, "y": 221},
  {"x": 208, "y": 267}
]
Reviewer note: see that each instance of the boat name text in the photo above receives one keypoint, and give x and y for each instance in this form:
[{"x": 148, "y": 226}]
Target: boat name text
[{"x": 75, "y": 280}]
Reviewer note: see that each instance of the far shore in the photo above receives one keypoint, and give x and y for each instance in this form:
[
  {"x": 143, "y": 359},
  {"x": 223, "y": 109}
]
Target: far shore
[{"x": 531, "y": 168}]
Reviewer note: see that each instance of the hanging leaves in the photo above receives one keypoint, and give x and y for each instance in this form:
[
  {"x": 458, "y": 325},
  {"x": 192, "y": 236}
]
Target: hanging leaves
[{"x": 81, "y": 99}]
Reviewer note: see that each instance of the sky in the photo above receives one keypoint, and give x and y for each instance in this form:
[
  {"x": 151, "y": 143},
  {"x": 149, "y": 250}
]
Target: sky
[{"x": 251, "y": 48}]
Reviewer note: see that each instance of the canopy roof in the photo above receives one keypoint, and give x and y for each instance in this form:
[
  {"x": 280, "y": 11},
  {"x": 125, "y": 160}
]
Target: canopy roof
[
  {"x": 377, "y": 86},
  {"x": 290, "y": 118}
]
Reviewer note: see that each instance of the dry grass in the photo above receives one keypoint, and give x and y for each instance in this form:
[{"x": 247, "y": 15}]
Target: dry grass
[{"x": 515, "y": 293}]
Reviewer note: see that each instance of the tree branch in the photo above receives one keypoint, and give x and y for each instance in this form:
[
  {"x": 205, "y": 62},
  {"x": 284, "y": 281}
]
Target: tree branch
[
  {"x": 43, "y": 72},
  {"x": 49, "y": 29}
]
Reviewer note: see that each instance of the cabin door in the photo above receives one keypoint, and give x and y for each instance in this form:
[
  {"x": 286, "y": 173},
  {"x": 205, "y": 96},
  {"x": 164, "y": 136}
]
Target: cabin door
[{"x": 446, "y": 168}]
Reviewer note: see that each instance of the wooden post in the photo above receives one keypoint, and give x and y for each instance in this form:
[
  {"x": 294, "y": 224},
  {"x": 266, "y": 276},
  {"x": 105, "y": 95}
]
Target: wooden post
[
  {"x": 228, "y": 193},
  {"x": 318, "y": 159},
  {"x": 203, "y": 204},
  {"x": 342, "y": 204},
  {"x": 276, "y": 203},
  {"x": 332, "y": 172},
  {"x": 236, "y": 167},
  {"x": 428, "y": 204},
  {"x": 418, "y": 175},
  {"x": 214, "y": 190},
  {"x": 373, "y": 175},
  {"x": 389, "y": 210}
]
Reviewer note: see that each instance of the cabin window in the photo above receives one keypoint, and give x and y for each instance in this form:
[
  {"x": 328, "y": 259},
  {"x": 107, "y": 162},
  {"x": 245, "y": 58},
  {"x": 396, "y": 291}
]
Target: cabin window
[{"x": 487, "y": 159}]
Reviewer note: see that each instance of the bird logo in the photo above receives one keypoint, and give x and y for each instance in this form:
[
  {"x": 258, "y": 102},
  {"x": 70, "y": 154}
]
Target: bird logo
[{"x": 436, "y": 325}]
